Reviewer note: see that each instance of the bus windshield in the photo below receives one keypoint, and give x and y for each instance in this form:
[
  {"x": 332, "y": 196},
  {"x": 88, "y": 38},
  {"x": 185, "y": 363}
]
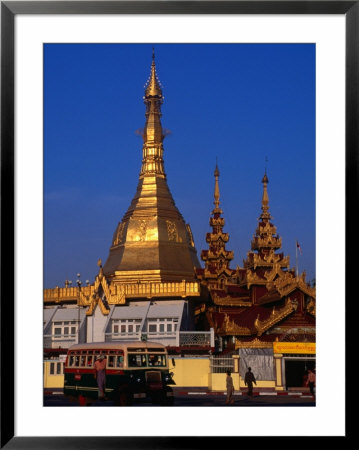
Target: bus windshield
[{"x": 146, "y": 360}]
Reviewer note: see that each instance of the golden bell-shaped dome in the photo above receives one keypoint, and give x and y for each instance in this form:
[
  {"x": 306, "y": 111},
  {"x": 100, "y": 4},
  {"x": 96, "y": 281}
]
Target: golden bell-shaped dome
[{"x": 152, "y": 242}]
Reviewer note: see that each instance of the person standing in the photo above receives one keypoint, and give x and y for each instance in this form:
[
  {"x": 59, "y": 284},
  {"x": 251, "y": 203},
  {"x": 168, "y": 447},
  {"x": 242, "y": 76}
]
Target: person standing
[
  {"x": 311, "y": 381},
  {"x": 230, "y": 388},
  {"x": 249, "y": 379},
  {"x": 100, "y": 375}
]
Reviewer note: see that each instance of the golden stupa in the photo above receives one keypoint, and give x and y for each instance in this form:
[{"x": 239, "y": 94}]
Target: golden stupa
[{"x": 152, "y": 243}]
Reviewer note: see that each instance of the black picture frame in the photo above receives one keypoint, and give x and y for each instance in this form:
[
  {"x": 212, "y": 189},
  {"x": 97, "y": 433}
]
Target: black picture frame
[{"x": 9, "y": 9}]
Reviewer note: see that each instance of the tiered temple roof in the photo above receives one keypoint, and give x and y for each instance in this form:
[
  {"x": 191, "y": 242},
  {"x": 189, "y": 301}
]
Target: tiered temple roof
[
  {"x": 216, "y": 272},
  {"x": 258, "y": 302}
]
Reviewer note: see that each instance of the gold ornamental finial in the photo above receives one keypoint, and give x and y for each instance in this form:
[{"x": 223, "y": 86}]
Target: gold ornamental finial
[
  {"x": 265, "y": 198},
  {"x": 216, "y": 188},
  {"x": 153, "y": 85},
  {"x": 152, "y": 161}
]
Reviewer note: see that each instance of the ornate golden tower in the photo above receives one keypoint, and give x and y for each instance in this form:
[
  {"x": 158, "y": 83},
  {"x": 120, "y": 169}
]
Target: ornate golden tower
[
  {"x": 217, "y": 258},
  {"x": 152, "y": 243},
  {"x": 263, "y": 259}
]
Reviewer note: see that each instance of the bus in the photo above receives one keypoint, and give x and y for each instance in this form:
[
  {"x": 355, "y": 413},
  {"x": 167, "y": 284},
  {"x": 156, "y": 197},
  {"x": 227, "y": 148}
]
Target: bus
[{"x": 134, "y": 371}]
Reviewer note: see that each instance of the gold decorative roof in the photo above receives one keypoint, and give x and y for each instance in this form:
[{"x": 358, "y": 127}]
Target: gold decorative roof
[
  {"x": 265, "y": 241},
  {"x": 103, "y": 295},
  {"x": 152, "y": 243},
  {"x": 276, "y": 316},
  {"x": 230, "y": 300},
  {"x": 216, "y": 258},
  {"x": 255, "y": 343}
]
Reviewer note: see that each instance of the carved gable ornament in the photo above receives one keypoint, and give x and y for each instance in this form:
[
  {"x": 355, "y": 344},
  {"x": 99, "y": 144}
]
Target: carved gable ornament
[{"x": 102, "y": 294}]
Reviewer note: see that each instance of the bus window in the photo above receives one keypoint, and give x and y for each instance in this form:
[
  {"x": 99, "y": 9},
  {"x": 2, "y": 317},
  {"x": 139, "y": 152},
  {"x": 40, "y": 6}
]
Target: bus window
[
  {"x": 89, "y": 361},
  {"x": 157, "y": 360},
  {"x": 137, "y": 360},
  {"x": 111, "y": 361},
  {"x": 152, "y": 360},
  {"x": 132, "y": 361},
  {"x": 76, "y": 361},
  {"x": 119, "y": 361},
  {"x": 83, "y": 361}
]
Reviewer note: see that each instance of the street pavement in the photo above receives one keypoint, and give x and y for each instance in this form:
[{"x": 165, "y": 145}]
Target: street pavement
[{"x": 203, "y": 397}]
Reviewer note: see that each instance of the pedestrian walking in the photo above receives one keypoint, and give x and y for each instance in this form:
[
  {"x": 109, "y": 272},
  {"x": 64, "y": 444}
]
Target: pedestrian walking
[
  {"x": 249, "y": 379},
  {"x": 100, "y": 375},
  {"x": 230, "y": 388},
  {"x": 311, "y": 381}
]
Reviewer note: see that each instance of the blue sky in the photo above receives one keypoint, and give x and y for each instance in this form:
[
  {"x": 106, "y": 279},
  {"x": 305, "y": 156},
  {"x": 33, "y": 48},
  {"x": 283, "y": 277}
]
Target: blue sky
[{"x": 239, "y": 103}]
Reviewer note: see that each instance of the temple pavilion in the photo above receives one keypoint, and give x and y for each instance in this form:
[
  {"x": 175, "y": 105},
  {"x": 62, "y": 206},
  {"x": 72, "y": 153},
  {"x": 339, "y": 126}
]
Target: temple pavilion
[{"x": 264, "y": 304}]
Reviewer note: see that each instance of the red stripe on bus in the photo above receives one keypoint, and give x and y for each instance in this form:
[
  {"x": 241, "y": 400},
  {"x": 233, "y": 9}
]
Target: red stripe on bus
[
  {"x": 79, "y": 370},
  {"x": 83, "y": 370}
]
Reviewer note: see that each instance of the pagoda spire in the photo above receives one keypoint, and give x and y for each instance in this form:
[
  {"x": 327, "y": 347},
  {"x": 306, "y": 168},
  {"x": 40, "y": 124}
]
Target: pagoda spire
[
  {"x": 152, "y": 242},
  {"x": 152, "y": 158},
  {"x": 216, "y": 192},
  {"x": 216, "y": 258},
  {"x": 265, "y": 241},
  {"x": 265, "y": 216}
]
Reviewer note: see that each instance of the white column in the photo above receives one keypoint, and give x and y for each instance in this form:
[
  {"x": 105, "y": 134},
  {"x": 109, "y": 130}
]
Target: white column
[
  {"x": 212, "y": 337},
  {"x": 278, "y": 372}
]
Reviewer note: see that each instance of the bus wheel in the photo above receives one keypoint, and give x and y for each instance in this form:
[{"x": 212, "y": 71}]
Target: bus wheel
[{"x": 123, "y": 398}]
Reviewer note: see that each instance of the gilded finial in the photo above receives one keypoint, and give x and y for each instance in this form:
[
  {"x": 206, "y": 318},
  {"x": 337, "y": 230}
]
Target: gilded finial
[
  {"x": 153, "y": 87},
  {"x": 265, "y": 198},
  {"x": 99, "y": 262},
  {"x": 216, "y": 188},
  {"x": 153, "y": 134},
  {"x": 265, "y": 178}
]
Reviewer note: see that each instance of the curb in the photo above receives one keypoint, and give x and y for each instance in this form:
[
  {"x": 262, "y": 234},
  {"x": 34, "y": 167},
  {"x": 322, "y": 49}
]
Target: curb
[
  {"x": 244, "y": 393},
  {"x": 53, "y": 392}
]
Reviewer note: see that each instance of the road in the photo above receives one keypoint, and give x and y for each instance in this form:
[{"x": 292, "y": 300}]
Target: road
[{"x": 201, "y": 399}]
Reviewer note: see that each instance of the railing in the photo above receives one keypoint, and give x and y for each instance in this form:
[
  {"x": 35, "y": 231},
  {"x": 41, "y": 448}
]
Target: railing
[
  {"x": 65, "y": 293},
  {"x": 149, "y": 290},
  {"x": 220, "y": 364},
  {"x": 131, "y": 290},
  {"x": 195, "y": 339}
]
